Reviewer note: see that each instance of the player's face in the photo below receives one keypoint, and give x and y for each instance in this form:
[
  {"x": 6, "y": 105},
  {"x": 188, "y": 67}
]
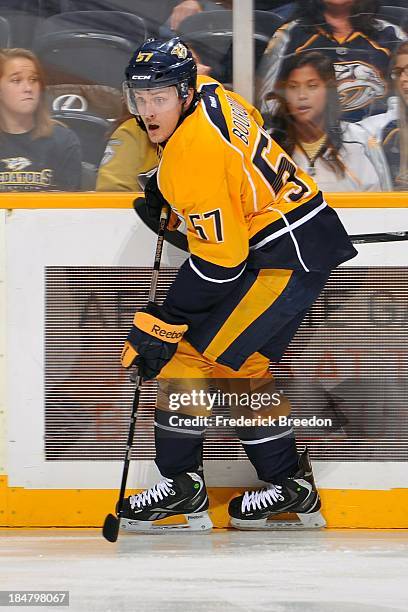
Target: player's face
[
  {"x": 160, "y": 111},
  {"x": 401, "y": 76},
  {"x": 20, "y": 87},
  {"x": 306, "y": 96}
]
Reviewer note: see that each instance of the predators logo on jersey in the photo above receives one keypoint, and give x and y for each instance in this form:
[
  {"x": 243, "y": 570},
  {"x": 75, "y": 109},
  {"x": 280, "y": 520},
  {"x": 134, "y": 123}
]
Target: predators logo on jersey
[
  {"x": 359, "y": 84},
  {"x": 109, "y": 153}
]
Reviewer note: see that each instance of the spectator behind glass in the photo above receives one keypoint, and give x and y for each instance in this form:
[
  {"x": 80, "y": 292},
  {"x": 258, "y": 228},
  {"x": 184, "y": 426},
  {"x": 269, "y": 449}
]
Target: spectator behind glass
[
  {"x": 307, "y": 125},
  {"x": 36, "y": 153},
  {"x": 358, "y": 44},
  {"x": 130, "y": 155},
  {"x": 391, "y": 128}
]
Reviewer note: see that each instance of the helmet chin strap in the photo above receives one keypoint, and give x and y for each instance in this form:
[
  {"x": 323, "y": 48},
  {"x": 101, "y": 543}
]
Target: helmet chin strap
[
  {"x": 190, "y": 110},
  {"x": 140, "y": 123}
]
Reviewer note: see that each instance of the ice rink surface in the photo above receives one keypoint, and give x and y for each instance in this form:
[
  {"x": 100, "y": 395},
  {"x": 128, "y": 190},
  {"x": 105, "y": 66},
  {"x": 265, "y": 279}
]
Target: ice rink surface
[{"x": 228, "y": 571}]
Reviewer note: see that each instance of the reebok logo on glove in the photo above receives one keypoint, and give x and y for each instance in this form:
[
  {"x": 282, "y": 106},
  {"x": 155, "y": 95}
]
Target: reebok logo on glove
[
  {"x": 169, "y": 335},
  {"x": 151, "y": 342},
  {"x": 156, "y": 327}
]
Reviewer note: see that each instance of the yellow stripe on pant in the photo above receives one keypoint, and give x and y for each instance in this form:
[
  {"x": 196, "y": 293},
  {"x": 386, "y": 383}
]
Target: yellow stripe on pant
[{"x": 267, "y": 288}]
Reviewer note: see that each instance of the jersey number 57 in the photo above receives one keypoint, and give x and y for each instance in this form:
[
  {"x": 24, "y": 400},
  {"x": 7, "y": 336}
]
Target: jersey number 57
[{"x": 208, "y": 225}]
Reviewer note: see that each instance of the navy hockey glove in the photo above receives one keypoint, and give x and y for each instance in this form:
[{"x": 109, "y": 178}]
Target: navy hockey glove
[
  {"x": 151, "y": 342},
  {"x": 176, "y": 238},
  {"x": 155, "y": 202}
]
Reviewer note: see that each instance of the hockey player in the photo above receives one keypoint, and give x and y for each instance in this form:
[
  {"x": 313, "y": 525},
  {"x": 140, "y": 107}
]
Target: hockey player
[{"x": 262, "y": 242}]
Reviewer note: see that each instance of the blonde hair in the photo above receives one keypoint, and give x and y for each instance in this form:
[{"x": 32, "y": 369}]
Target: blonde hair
[{"x": 43, "y": 124}]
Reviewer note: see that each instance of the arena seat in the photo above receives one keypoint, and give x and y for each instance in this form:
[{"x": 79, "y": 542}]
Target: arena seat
[
  {"x": 22, "y": 26},
  {"x": 153, "y": 13},
  {"x": 88, "y": 46},
  {"x": 266, "y": 22},
  {"x": 91, "y": 130},
  {"x": 99, "y": 100},
  {"x": 211, "y": 35},
  {"x": 397, "y": 15},
  {"x": 402, "y": 3}
]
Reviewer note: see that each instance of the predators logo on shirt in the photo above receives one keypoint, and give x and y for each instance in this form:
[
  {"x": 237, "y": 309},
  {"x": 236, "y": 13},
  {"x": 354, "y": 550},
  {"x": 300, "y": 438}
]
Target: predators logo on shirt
[{"x": 16, "y": 163}]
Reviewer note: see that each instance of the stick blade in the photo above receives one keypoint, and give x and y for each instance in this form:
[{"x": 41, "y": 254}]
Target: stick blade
[{"x": 110, "y": 529}]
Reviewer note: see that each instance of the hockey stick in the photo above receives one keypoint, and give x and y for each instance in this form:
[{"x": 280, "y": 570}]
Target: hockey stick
[
  {"x": 111, "y": 525},
  {"x": 381, "y": 237}
]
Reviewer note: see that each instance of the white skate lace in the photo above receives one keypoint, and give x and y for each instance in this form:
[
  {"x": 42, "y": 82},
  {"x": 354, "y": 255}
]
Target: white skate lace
[
  {"x": 158, "y": 491},
  {"x": 255, "y": 500}
]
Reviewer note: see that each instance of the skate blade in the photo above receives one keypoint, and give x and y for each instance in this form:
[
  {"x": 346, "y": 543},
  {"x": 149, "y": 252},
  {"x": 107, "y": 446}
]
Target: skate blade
[
  {"x": 312, "y": 520},
  {"x": 198, "y": 522}
]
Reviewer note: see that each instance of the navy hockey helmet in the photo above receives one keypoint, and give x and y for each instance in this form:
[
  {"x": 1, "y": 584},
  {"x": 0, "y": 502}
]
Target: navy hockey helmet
[{"x": 160, "y": 63}]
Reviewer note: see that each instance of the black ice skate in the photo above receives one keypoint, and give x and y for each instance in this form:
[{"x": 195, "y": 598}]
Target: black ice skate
[
  {"x": 184, "y": 495},
  {"x": 297, "y": 494}
]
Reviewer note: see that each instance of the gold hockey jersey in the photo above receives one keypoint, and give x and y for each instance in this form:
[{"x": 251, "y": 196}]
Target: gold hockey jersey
[
  {"x": 244, "y": 200},
  {"x": 237, "y": 190}
]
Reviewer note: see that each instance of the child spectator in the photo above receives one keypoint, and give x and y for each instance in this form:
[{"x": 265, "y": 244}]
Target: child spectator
[
  {"x": 36, "y": 153},
  {"x": 307, "y": 125}
]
